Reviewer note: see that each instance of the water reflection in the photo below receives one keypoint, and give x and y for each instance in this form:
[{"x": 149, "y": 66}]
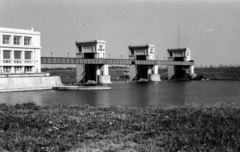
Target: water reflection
[
  {"x": 20, "y": 97},
  {"x": 175, "y": 93},
  {"x": 135, "y": 94}
]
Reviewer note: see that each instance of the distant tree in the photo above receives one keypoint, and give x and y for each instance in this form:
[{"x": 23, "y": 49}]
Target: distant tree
[{"x": 69, "y": 68}]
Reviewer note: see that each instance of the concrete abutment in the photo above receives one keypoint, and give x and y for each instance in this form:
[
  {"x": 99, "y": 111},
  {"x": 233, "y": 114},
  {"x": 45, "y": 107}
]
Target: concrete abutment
[{"x": 9, "y": 84}]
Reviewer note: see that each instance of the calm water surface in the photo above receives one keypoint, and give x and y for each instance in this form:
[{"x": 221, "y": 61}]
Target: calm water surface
[{"x": 136, "y": 94}]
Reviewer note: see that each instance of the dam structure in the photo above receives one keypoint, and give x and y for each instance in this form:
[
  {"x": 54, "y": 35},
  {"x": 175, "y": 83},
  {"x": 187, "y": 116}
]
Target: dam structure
[
  {"x": 92, "y": 64},
  {"x": 20, "y": 61}
]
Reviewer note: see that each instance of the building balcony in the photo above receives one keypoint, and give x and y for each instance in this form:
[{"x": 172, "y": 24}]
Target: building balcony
[{"x": 17, "y": 62}]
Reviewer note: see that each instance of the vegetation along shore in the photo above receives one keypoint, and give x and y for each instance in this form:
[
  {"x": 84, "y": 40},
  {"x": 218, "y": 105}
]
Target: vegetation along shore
[
  {"x": 29, "y": 127},
  {"x": 68, "y": 75}
]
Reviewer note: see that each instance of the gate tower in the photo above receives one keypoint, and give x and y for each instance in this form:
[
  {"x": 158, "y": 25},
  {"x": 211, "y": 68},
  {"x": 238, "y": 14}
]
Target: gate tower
[
  {"x": 180, "y": 71},
  {"x": 143, "y": 72},
  {"x": 92, "y": 73}
]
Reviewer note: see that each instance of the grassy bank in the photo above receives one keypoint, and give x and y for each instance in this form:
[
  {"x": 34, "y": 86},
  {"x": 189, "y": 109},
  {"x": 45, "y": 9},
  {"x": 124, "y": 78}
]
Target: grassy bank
[
  {"x": 28, "y": 127},
  {"x": 223, "y": 73}
]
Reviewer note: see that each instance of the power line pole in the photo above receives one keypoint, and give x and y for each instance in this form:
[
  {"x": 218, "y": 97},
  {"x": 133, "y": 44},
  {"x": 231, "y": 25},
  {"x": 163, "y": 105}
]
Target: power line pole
[{"x": 179, "y": 36}]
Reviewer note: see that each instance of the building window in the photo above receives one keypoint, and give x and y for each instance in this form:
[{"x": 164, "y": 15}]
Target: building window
[
  {"x": 28, "y": 69},
  {"x": 17, "y": 54},
  {"x": 87, "y": 48},
  {"x": 100, "y": 47},
  {"x": 28, "y": 55},
  {"x": 18, "y": 69},
  {"x": 6, "y": 69},
  {"x": 151, "y": 51},
  {"x": 6, "y": 39},
  {"x": 27, "y": 40},
  {"x": 16, "y": 40},
  {"x": 6, "y": 54}
]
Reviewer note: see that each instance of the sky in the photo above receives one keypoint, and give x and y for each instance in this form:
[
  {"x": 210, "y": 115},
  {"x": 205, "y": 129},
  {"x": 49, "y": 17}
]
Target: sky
[{"x": 211, "y": 28}]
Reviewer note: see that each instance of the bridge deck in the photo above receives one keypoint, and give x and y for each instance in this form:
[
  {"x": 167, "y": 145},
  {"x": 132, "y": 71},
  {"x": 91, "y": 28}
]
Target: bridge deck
[{"x": 60, "y": 60}]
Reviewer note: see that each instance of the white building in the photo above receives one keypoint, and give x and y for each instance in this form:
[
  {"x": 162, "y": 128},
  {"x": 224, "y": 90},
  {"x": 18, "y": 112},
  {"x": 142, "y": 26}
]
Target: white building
[{"x": 20, "y": 51}]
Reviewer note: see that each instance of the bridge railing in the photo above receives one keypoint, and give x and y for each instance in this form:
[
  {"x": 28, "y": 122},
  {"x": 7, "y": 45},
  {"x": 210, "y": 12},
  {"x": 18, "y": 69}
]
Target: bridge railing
[{"x": 60, "y": 60}]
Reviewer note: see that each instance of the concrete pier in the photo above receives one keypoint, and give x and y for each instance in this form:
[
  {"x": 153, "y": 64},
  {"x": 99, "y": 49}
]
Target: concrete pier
[
  {"x": 132, "y": 73},
  {"x": 154, "y": 77}
]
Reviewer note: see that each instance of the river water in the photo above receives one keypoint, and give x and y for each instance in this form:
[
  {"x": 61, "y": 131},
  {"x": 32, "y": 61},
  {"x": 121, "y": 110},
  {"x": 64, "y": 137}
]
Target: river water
[{"x": 151, "y": 94}]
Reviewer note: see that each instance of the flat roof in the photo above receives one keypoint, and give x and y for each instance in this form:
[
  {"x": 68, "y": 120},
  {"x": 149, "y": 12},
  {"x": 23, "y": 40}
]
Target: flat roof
[
  {"x": 178, "y": 50},
  {"x": 140, "y": 46},
  {"x": 19, "y": 31},
  {"x": 90, "y": 42}
]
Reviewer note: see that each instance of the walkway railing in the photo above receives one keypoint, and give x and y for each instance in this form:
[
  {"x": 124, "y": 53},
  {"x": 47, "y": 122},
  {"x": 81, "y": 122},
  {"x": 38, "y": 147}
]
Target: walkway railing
[
  {"x": 59, "y": 60},
  {"x": 17, "y": 61}
]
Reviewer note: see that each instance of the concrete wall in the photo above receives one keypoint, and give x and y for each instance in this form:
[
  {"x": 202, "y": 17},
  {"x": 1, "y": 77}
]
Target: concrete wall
[
  {"x": 132, "y": 73},
  {"x": 171, "y": 72},
  {"x": 154, "y": 77},
  {"x": 105, "y": 79},
  {"x": 80, "y": 73},
  {"x": 8, "y": 84},
  {"x": 38, "y": 61}
]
